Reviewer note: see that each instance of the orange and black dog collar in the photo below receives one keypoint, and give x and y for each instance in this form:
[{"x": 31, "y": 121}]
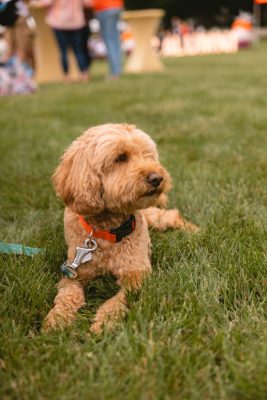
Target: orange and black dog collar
[{"x": 114, "y": 235}]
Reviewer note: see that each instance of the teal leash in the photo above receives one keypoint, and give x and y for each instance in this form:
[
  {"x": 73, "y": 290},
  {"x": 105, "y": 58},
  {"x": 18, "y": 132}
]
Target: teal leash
[{"x": 12, "y": 248}]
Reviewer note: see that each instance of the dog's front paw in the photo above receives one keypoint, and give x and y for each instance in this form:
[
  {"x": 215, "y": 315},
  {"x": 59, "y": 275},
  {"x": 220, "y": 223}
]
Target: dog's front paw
[
  {"x": 51, "y": 323},
  {"x": 96, "y": 328},
  {"x": 175, "y": 220},
  {"x": 55, "y": 320},
  {"x": 190, "y": 227}
]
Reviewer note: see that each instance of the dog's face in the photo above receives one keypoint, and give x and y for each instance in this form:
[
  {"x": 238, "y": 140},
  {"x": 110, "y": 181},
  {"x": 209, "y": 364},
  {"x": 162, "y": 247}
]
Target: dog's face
[{"x": 111, "y": 167}]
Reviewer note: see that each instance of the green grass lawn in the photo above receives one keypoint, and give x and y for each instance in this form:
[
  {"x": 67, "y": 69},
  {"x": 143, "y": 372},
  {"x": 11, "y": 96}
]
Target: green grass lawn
[{"x": 198, "y": 328}]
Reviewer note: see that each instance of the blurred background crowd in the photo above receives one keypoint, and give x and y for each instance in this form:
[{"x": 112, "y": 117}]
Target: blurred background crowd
[{"x": 95, "y": 30}]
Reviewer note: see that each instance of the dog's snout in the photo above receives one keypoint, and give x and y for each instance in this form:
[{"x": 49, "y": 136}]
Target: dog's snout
[{"x": 154, "y": 179}]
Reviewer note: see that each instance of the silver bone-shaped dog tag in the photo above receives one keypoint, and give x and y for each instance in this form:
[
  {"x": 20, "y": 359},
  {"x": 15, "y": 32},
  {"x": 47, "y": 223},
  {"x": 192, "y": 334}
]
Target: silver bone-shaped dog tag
[{"x": 84, "y": 254}]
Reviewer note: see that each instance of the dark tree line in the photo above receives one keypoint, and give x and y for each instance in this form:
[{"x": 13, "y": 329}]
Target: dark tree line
[{"x": 207, "y": 12}]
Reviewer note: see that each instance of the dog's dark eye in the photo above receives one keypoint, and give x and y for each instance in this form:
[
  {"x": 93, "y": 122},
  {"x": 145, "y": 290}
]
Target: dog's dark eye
[{"x": 122, "y": 158}]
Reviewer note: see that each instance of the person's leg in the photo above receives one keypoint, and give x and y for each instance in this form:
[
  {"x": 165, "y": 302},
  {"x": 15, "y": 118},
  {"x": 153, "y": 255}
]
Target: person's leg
[
  {"x": 22, "y": 39},
  {"x": 77, "y": 44},
  {"x": 85, "y": 38},
  {"x": 62, "y": 42},
  {"x": 109, "y": 29},
  {"x": 9, "y": 35}
]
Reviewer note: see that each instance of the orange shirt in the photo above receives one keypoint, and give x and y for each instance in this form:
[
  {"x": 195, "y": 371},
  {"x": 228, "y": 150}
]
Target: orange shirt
[
  {"x": 101, "y": 5},
  {"x": 240, "y": 23}
]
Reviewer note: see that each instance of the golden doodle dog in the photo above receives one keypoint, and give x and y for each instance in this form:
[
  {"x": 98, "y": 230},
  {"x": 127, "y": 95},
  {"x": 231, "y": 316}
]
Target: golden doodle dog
[{"x": 113, "y": 184}]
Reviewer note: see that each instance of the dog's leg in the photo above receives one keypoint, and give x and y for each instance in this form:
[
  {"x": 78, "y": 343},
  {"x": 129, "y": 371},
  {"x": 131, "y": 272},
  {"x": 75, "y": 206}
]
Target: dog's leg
[
  {"x": 161, "y": 220},
  {"x": 115, "y": 308},
  {"x": 69, "y": 299},
  {"x": 110, "y": 312}
]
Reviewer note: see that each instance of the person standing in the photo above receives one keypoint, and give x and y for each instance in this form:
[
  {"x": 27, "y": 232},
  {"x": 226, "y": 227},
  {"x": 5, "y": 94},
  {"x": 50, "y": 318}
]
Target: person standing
[
  {"x": 108, "y": 14},
  {"x": 18, "y": 34},
  {"x": 67, "y": 19}
]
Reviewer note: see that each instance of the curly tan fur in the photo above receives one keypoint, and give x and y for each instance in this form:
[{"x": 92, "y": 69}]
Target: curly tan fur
[{"x": 103, "y": 176}]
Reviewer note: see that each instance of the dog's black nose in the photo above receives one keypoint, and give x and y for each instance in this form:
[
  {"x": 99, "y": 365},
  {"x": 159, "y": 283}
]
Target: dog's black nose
[{"x": 154, "y": 179}]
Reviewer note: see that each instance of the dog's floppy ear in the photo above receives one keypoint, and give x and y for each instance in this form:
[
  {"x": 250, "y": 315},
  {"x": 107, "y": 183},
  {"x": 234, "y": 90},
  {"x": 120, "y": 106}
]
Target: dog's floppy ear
[{"x": 76, "y": 182}]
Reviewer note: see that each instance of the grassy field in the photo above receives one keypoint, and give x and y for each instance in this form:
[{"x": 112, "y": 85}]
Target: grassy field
[{"x": 198, "y": 328}]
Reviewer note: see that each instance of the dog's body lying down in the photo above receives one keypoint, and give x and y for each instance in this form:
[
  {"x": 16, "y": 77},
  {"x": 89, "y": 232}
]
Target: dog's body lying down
[{"x": 107, "y": 175}]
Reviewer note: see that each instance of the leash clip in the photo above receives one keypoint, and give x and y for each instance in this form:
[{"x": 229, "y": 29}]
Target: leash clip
[
  {"x": 82, "y": 255},
  {"x": 68, "y": 270}
]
